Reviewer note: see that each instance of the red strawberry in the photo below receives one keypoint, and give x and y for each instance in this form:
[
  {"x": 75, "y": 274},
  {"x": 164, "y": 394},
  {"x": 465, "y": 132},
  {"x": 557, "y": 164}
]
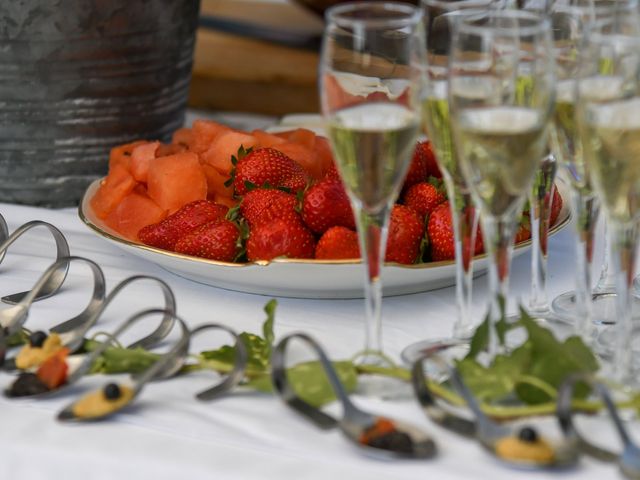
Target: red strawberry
[
  {"x": 523, "y": 233},
  {"x": 418, "y": 168},
  {"x": 432, "y": 165},
  {"x": 338, "y": 243},
  {"x": 268, "y": 166},
  {"x": 406, "y": 231},
  {"x": 440, "y": 232},
  {"x": 441, "y": 237},
  {"x": 332, "y": 172},
  {"x": 556, "y": 207},
  {"x": 262, "y": 205},
  {"x": 216, "y": 240},
  {"x": 423, "y": 198},
  {"x": 326, "y": 205},
  {"x": 280, "y": 238},
  {"x": 166, "y": 233}
]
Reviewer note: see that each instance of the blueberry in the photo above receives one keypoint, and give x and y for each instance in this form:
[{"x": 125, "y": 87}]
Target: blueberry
[
  {"x": 112, "y": 391},
  {"x": 36, "y": 339},
  {"x": 528, "y": 434}
]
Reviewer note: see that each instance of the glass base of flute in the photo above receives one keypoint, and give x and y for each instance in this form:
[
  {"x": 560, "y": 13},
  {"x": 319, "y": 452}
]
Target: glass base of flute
[{"x": 464, "y": 218}]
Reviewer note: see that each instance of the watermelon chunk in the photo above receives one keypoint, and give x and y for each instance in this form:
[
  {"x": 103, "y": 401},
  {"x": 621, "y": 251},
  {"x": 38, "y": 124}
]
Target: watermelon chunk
[
  {"x": 301, "y": 136},
  {"x": 135, "y": 211},
  {"x": 117, "y": 185},
  {"x": 224, "y": 146},
  {"x": 215, "y": 182},
  {"x": 268, "y": 140},
  {"x": 303, "y": 156},
  {"x": 122, "y": 154},
  {"x": 182, "y": 136},
  {"x": 222, "y": 200},
  {"x": 203, "y": 134},
  {"x": 325, "y": 154},
  {"x": 175, "y": 180},
  {"x": 141, "y": 157}
]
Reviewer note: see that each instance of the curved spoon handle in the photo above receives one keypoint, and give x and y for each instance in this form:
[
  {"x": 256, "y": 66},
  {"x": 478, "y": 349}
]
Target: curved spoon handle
[
  {"x": 282, "y": 386},
  {"x": 4, "y": 234},
  {"x": 237, "y": 373},
  {"x": 13, "y": 318},
  {"x": 88, "y": 361},
  {"x": 428, "y": 401},
  {"x": 564, "y": 412},
  {"x": 56, "y": 280},
  {"x": 151, "y": 340},
  {"x": 169, "y": 363}
]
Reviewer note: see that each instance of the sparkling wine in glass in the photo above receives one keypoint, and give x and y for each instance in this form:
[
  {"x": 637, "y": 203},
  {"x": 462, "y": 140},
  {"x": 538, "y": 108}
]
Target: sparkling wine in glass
[
  {"x": 371, "y": 75},
  {"x": 440, "y": 16},
  {"x": 573, "y": 19},
  {"x": 501, "y": 93},
  {"x": 608, "y": 115}
]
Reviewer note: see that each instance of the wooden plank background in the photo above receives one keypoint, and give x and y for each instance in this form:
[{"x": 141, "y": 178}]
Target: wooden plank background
[{"x": 234, "y": 73}]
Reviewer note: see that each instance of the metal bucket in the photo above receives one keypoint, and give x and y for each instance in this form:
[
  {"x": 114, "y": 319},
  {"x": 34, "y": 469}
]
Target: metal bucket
[{"x": 80, "y": 76}]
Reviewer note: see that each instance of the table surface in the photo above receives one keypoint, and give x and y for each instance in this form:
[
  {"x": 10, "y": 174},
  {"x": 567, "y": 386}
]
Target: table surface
[{"x": 171, "y": 435}]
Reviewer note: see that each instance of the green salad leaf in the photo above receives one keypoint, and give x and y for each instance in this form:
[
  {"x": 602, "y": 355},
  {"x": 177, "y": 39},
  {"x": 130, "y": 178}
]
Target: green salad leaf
[{"x": 532, "y": 372}]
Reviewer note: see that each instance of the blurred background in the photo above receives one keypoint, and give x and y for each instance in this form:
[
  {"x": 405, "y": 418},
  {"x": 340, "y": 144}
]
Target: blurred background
[{"x": 257, "y": 56}]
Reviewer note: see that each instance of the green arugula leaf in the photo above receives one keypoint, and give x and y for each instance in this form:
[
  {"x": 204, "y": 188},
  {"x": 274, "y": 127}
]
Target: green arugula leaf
[
  {"x": 480, "y": 339},
  {"x": 310, "y": 382},
  {"x": 121, "y": 360},
  {"x": 258, "y": 348},
  {"x": 499, "y": 379}
]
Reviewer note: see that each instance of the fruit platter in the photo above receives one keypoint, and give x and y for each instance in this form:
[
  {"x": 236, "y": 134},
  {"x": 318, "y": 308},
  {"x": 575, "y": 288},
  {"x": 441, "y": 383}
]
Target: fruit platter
[{"x": 265, "y": 212}]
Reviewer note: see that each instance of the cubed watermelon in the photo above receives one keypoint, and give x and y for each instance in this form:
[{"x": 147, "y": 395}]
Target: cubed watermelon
[
  {"x": 224, "y": 146},
  {"x": 115, "y": 186},
  {"x": 141, "y": 157},
  {"x": 135, "y": 211},
  {"x": 176, "y": 180}
]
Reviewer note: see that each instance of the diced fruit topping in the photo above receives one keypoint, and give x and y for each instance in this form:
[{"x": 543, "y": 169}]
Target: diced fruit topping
[
  {"x": 338, "y": 243},
  {"x": 166, "y": 233},
  {"x": 53, "y": 371},
  {"x": 528, "y": 434},
  {"x": 326, "y": 205},
  {"x": 384, "y": 435},
  {"x": 216, "y": 240},
  {"x": 267, "y": 166},
  {"x": 280, "y": 238},
  {"x": 112, "y": 391},
  {"x": 406, "y": 231}
]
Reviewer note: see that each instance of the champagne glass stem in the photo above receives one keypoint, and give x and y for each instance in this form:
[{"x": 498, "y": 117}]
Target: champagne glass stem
[
  {"x": 498, "y": 234},
  {"x": 540, "y": 202},
  {"x": 607, "y": 281},
  {"x": 587, "y": 209},
  {"x": 372, "y": 234},
  {"x": 625, "y": 241},
  {"x": 465, "y": 225}
]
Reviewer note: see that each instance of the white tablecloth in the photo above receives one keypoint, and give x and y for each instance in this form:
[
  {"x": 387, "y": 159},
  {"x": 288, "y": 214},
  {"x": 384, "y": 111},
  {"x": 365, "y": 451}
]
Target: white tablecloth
[{"x": 171, "y": 435}]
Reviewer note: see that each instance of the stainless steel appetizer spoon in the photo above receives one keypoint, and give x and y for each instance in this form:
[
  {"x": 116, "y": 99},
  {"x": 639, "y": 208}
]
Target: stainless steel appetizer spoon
[
  {"x": 79, "y": 328},
  {"x": 499, "y": 440},
  {"x": 236, "y": 375},
  {"x": 54, "y": 281},
  {"x": 629, "y": 459},
  {"x": 167, "y": 365},
  {"x": 13, "y": 318},
  {"x": 375, "y": 435},
  {"x": 4, "y": 234},
  {"x": 166, "y": 370}
]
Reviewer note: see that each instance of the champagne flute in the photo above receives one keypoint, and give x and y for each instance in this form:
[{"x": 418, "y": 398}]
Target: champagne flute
[
  {"x": 576, "y": 17},
  {"x": 371, "y": 75},
  {"x": 608, "y": 119},
  {"x": 439, "y": 17},
  {"x": 501, "y": 93}
]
